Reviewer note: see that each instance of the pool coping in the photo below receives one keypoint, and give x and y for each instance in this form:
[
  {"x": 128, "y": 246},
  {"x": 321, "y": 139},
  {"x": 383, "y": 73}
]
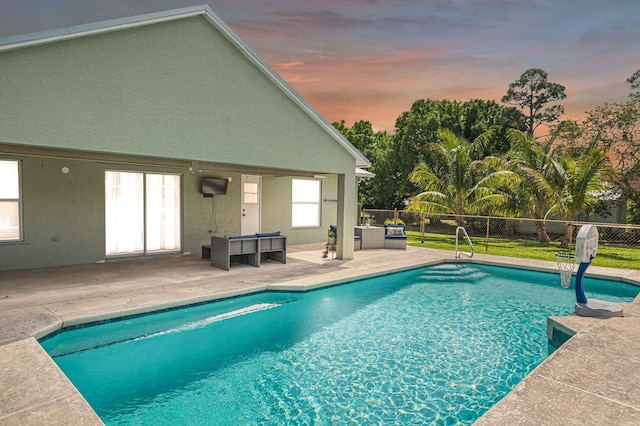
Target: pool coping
[
  {"x": 310, "y": 283},
  {"x": 509, "y": 408}
]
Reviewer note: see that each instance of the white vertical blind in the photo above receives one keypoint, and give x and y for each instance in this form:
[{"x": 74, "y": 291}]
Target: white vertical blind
[
  {"x": 124, "y": 212},
  {"x": 305, "y": 203},
  {"x": 10, "y": 184},
  {"x": 142, "y": 212},
  {"x": 163, "y": 212},
  {"x": 9, "y": 200}
]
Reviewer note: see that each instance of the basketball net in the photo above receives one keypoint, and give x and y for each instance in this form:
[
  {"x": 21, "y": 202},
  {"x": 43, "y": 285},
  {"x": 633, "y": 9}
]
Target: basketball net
[{"x": 566, "y": 263}]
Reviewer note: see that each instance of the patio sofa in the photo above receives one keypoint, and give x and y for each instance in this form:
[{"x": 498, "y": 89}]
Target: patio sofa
[
  {"x": 394, "y": 237},
  {"x": 250, "y": 249}
]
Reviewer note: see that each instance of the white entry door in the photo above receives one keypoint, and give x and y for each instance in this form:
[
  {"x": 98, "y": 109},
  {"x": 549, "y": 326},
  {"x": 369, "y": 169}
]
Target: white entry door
[{"x": 251, "y": 197}]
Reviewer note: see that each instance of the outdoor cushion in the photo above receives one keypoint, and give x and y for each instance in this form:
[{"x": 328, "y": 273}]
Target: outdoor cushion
[
  {"x": 395, "y": 237},
  {"x": 270, "y": 234},
  {"x": 395, "y": 230},
  {"x": 237, "y": 237}
]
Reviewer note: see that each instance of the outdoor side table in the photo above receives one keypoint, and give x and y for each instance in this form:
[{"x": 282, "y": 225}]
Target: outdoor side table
[{"x": 372, "y": 237}]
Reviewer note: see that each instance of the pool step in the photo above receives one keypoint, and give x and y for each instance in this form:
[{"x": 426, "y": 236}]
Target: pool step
[{"x": 452, "y": 273}]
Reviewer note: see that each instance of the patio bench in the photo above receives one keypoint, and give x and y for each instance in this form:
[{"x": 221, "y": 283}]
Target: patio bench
[
  {"x": 394, "y": 237},
  {"x": 248, "y": 248},
  {"x": 273, "y": 246}
]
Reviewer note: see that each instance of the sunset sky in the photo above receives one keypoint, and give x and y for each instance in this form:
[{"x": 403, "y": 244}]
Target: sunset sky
[{"x": 370, "y": 59}]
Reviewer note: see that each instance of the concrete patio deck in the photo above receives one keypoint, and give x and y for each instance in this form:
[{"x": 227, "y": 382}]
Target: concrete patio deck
[{"x": 592, "y": 379}]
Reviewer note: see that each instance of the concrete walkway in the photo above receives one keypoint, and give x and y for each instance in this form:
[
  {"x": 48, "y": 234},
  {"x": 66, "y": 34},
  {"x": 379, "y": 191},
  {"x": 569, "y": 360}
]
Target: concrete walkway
[{"x": 594, "y": 378}]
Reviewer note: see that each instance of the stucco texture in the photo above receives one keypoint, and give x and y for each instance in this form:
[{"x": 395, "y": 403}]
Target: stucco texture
[
  {"x": 138, "y": 99},
  {"x": 177, "y": 89}
]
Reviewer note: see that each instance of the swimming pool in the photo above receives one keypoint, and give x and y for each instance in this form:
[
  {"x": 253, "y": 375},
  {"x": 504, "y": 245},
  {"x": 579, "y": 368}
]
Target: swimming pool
[{"x": 434, "y": 345}]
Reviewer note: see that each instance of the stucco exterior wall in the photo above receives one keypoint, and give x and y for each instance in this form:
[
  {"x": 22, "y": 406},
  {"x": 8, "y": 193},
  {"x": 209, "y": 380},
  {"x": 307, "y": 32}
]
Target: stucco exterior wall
[
  {"x": 64, "y": 214},
  {"x": 277, "y": 212},
  {"x": 175, "y": 90}
]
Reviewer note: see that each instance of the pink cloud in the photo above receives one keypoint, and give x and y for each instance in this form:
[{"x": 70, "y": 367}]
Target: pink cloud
[
  {"x": 379, "y": 88},
  {"x": 287, "y": 72}
]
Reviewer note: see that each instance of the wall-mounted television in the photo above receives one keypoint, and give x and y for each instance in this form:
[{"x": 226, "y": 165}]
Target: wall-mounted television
[{"x": 214, "y": 186}]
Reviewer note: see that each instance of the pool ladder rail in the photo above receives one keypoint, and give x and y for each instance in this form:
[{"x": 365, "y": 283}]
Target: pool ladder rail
[{"x": 464, "y": 232}]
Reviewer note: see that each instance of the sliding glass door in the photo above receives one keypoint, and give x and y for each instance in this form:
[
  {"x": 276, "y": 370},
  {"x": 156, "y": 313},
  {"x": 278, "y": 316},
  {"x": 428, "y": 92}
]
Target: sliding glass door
[
  {"x": 163, "y": 212},
  {"x": 124, "y": 212},
  {"x": 142, "y": 212}
]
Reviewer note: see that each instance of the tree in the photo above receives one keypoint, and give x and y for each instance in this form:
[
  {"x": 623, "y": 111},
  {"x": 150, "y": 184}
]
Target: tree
[
  {"x": 580, "y": 181},
  {"x": 533, "y": 93},
  {"x": 419, "y": 126},
  {"x": 375, "y": 146},
  {"x": 634, "y": 82},
  {"x": 618, "y": 125},
  {"x": 361, "y": 135},
  {"x": 533, "y": 161},
  {"x": 415, "y": 129},
  {"x": 458, "y": 184},
  {"x": 480, "y": 116}
]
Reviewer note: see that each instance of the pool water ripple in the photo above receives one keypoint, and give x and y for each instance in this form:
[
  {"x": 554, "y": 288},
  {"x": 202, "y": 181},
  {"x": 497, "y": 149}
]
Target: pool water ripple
[{"x": 439, "y": 345}]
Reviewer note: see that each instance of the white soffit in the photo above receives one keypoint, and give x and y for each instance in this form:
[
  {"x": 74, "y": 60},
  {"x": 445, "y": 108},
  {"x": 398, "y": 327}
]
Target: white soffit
[{"x": 361, "y": 173}]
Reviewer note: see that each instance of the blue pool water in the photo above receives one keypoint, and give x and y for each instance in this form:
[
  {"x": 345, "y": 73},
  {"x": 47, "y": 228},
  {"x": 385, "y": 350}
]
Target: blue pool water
[{"x": 437, "y": 345}]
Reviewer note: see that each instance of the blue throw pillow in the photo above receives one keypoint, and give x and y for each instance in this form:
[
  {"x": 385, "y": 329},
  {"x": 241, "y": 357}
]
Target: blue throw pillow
[
  {"x": 237, "y": 237},
  {"x": 270, "y": 234}
]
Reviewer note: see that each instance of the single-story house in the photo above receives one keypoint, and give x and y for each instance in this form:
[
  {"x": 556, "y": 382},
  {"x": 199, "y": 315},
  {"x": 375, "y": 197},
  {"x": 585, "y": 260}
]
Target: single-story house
[{"x": 108, "y": 131}]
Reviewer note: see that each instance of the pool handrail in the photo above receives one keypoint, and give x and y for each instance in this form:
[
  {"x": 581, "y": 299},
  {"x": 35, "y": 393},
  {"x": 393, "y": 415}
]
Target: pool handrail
[{"x": 458, "y": 252}]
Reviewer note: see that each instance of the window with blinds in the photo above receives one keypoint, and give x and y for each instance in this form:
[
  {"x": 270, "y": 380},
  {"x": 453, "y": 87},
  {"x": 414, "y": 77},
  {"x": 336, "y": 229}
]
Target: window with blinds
[
  {"x": 305, "y": 202},
  {"x": 10, "y": 202}
]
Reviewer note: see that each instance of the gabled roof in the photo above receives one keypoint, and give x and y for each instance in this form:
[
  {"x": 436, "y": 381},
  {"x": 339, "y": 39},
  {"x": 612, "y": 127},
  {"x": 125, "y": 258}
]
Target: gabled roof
[{"x": 77, "y": 31}]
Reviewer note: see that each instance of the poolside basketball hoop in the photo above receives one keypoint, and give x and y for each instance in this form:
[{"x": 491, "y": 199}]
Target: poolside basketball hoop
[
  {"x": 586, "y": 250},
  {"x": 566, "y": 263}
]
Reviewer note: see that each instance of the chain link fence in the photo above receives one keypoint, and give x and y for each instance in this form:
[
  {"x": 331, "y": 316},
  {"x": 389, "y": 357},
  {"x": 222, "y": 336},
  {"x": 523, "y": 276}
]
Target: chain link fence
[{"x": 489, "y": 232}]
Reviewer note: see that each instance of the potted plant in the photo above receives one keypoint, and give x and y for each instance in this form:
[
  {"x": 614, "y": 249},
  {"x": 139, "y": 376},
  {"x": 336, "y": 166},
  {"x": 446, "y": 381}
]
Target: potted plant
[
  {"x": 332, "y": 237},
  {"x": 367, "y": 220}
]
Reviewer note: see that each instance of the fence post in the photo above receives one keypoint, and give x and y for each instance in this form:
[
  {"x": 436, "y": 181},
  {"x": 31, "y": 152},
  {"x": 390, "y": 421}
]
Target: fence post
[
  {"x": 570, "y": 237},
  {"x": 486, "y": 240}
]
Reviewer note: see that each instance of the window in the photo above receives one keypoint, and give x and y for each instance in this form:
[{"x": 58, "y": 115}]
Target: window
[
  {"x": 305, "y": 203},
  {"x": 10, "y": 229},
  {"x": 250, "y": 193}
]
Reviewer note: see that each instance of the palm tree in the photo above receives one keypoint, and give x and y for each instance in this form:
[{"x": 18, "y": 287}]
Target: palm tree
[
  {"x": 457, "y": 184},
  {"x": 533, "y": 161},
  {"x": 579, "y": 182}
]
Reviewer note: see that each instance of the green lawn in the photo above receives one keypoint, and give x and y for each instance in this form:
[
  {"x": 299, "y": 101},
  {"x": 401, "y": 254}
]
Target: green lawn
[{"x": 610, "y": 256}]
